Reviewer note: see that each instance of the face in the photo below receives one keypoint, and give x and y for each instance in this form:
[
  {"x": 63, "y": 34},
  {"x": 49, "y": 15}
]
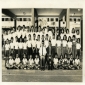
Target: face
[
  {"x": 36, "y": 56},
  {"x": 30, "y": 56}
]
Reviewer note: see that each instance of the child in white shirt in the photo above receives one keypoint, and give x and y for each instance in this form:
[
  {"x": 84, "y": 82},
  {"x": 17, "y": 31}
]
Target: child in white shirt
[
  {"x": 17, "y": 62},
  {"x": 24, "y": 61},
  {"x": 55, "y": 62},
  {"x": 31, "y": 62},
  {"x": 36, "y": 61},
  {"x": 77, "y": 62},
  {"x": 78, "y": 47}
]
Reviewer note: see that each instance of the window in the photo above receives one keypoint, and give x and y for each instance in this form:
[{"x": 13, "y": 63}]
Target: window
[
  {"x": 24, "y": 19},
  {"x": 56, "y": 19},
  {"x": 11, "y": 19},
  {"x": 6, "y": 19},
  {"x": 70, "y": 19},
  {"x": 78, "y": 19},
  {"x": 20, "y": 19},
  {"x": 47, "y": 19},
  {"x": 2, "y": 19},
  {"x": 29, "y": 19},
  {"x": 52, "y": 19}
]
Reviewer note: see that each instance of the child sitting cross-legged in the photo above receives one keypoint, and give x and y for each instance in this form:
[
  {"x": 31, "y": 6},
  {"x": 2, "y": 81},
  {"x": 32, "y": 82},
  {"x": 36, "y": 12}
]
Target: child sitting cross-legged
[
  {"x": 36, "y": 61},
  {"x": 17, "y": 62},
  {"x": 31, "y": 62},
  {"x": 55, "y": 62},
  {"x": 10, "y": 63},
  {"x": 24, "y": 61}
]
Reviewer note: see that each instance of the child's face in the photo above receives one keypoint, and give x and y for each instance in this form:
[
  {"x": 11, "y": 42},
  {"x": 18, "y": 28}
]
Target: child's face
[
  {"x": 55, "y": 56},
  {"x": 36, "y": 56},
  {"x": 30, "y": 56}
]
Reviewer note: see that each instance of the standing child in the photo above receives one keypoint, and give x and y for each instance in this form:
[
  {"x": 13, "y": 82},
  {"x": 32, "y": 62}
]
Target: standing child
[
  {"x": 78, "y": 47},
  {"x": 69, "y": 45},
  {"x": 74, "y": 46},
  {"x": 58, "y": 42},
  {"x": 64, "y": 45}
]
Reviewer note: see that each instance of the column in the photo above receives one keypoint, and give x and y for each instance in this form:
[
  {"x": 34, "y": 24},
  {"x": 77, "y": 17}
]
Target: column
[
  {"x": 33, "y": 18},
  {"x": 67, "y": 18},
  {"x": 15, "y": 24}
]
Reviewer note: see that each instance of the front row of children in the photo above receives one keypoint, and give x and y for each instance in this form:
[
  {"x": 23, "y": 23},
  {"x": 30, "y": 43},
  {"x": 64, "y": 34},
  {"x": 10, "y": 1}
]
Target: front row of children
[{"x": 55, "y": 63}]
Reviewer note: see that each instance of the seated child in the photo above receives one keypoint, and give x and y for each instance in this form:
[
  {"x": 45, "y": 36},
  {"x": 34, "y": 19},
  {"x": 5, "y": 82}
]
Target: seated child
[
  {"x": 60, "y": 65},
  {"x": 71, "y": 62},
  {"x": 55, "y": 62},
  {"x": 10, "y": 63},
  {"x": 65, "y": 62},
  {"x": 24, "y": 61},
  {"x": 17, "y": 62},
  {"x": 77, "y": 63},
  {"x": 36, "y": 61},
  {"x": 31, "y": 62},
  {"x": 50, "y": 63}
]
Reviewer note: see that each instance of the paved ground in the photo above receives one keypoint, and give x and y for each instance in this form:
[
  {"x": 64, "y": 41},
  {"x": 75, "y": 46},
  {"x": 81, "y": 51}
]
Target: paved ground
[{"x": 41, "y": 76}]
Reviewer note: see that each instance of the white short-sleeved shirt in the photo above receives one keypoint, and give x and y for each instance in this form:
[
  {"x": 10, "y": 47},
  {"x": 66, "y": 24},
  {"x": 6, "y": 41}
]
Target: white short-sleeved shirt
[
  {"x": 17, "y": 60},
  {"x": 12, "y": 45},
  {"x": 31, "y": 61},
  {"x": 7, "y": 47},
  {"x": 64, "y": 43},
  {"x": 78, "y": 45},
  {"x": 77, "y": 36},
  {"x": 62, "y": 36},
  {"x": 11, "y": 61},
  {"x": 58, "y": 43},
  {"x": 16, "y": 45},
  {"x": 67, "y": 36},
  {"x": 20, "y": 45},
  {"x": 46, "y": 43},
  {"x": 69, "y": 44},
  {"x": 55, "y": 60},
  {"x": 77, "y": 61},
  {"x": 5, "y": 37},
  {"x": 53, "y": 41},
  {"x": 25, "y": 45},
  {"x": 34, "y": 43},
  {"x": 24, "y": 61},
  {"x": 29, "y": 43},
  {"x": 38, "y": 43},
  {"x": 9, "y": 36},
  {"x": 37, "y": 61},
  {"x": 23, "y": 34}
]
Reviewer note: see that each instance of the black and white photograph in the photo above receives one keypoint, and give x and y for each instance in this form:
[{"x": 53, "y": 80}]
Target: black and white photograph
[{"x": 42, "y": 44}]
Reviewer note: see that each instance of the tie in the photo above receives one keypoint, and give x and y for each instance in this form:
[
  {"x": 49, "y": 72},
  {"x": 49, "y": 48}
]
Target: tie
[{"x": 42, "y": 51}]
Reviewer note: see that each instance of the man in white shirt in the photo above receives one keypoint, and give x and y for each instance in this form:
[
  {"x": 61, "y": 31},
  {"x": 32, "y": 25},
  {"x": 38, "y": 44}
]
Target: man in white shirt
[
  {"x": 29, "y": 47},
  {"x": 42, "y": 52},
  {"x": 53, "y": 41},
  {"x": 25, "y": 47},
  {"x": 21, "y": 49},
  {"x": 78, "y": 47}
]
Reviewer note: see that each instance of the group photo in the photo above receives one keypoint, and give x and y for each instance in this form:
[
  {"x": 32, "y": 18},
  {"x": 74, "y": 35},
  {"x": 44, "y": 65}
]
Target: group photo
[{"x": 40, "y": 42}]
